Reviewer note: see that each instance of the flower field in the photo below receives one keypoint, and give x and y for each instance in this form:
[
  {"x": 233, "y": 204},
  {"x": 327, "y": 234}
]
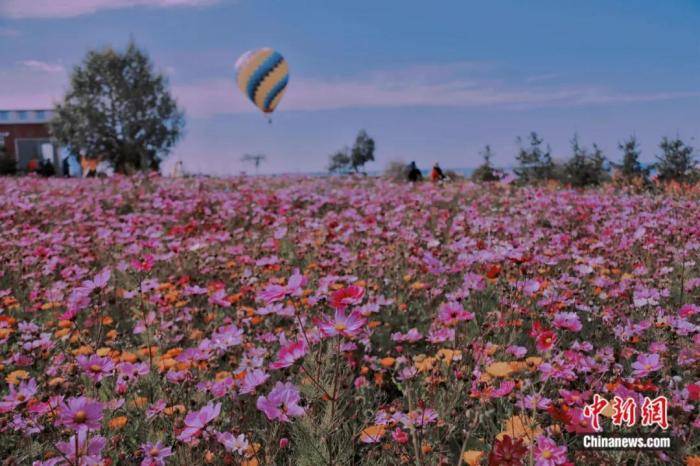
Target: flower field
[{"x": 339, "y": 321}]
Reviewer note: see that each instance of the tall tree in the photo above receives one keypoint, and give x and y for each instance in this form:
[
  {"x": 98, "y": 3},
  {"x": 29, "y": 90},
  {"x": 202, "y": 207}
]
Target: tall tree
[
  {"x": 535, "y": 163},
  {"x": 353, "y": 159},
  {"x": 631, "y": 167},
  {"x": 676, "y": 163},
  {"x": 585, "y": 168},
  {"x": 362, "y": 151},
  {"x": 118, "y": 108}
]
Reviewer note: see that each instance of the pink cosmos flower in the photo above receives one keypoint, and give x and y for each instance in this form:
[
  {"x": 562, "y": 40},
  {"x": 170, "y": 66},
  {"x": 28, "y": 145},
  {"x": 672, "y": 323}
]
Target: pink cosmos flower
[
  {"x": 568, "y": 321},
  {"x": 273, "y": 292},
  {"x": 231, "y": 442},
  {"x": 80, "y": 413},
  {"x": 23, "y": 393},
  {"x": 155, "y": 409},
  {"x": 96, "y": 367},
  {"x": 155, "y": 454},
  {"x": 504, "y": 389},
  {"x": 412, "y": 336},
  {"x": 399, "y": 436},
  {"x": 288, "y": 354},
  {"x": 281, "y": 403},
  {"x": 87, "y": 453},
  {"x": 196, "y": 421},
  {"x": 348, "y": 296},
  {"x": 548, "y": 453},
  {"x": 545, "y": 341},
  {"x": 646, "y": 364},
  {"x": 420, "y": 417},
  {"x": 450, "y": 313},
  {"x": 252, "y": 380},
  {"x": 219, "y": 298},
  {"x": 348, "y": 326},
  {"x": 688, "y": 310},
  {"x": 578, "y": 423}
]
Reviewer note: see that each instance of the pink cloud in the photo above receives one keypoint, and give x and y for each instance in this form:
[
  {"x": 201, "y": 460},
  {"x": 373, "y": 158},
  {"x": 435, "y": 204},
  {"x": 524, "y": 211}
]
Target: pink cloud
[{"x": 70, "y": 8}]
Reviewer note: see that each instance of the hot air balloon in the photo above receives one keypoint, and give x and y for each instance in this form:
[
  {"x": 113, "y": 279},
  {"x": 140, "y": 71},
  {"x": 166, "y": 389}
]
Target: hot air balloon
[{"x": 262, "y": 76}]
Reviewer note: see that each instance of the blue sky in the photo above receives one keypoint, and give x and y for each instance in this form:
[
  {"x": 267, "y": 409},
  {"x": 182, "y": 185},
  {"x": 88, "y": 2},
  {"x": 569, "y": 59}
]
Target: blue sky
[{"x": 429, "y": 80}]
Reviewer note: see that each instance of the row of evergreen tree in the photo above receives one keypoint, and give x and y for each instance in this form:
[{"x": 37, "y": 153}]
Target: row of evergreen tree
[{"x": 590, "y": 167}]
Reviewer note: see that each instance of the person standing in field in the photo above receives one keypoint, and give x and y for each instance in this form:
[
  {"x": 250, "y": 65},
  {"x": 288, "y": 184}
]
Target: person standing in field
[
  {"x": 413, "y": 173},
  {"x": 89, "y": 166},
  {"x": 436, "y": 174}
]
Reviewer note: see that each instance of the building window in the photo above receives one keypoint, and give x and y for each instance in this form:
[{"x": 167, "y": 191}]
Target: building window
[
  {"x": 22, "y": 114},
  {"x": 4, "y": 115},
  {"x": 40, "y": 114}
]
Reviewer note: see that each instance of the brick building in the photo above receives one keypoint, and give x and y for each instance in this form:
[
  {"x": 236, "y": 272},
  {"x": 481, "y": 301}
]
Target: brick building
[{"x": 24, "y": 135}]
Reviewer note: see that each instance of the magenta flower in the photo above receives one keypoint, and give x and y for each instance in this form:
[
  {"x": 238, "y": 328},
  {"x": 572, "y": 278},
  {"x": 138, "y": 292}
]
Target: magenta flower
[
  {"x": 289, "y": 354},
  {"x": 548, "y": 453},
  {"x": 646, "y": 364},
  {"x": 154, "y": 455},
  {"x": 80, "y": 413},
  {"x": 348, "y": 326},
  {"x": 452, "y": 313},
  {"x": 196, "y": 421},
  {"x": 273, "y": 292},
  {"x": 23, "y": 393},
  {"x": 348, "y": 296},
  {"x": 252, "y": 380},
  {"x": 88, "y": 452},
  {"x": 281, "y": 403},
  {"x": 568, "y": 321},
  {"x": 96, "y": 367}
]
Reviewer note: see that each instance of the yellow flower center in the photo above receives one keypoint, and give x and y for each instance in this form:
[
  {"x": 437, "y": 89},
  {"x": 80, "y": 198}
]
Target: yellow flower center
[
  {"x": 340, "y": 327},
  {"x": 80, "y": 416},
  {"x": 96, "y": 368},
  {"x": 647, "y": 366},
  {"x": 154, "y": 452},
  {"x": 546, "y": 454}
]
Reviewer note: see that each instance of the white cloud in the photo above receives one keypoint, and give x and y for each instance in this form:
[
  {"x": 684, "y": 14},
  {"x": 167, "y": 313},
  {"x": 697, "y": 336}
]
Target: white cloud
[
  {"x": 70, "y": 8},
  {"x": 43, "y": 67},
  {"x": 417, "y": 87}
]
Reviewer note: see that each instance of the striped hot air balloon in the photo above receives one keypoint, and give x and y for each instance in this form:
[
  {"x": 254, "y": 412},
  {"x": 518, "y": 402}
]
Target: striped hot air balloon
[{"x": 262, "y": 76}]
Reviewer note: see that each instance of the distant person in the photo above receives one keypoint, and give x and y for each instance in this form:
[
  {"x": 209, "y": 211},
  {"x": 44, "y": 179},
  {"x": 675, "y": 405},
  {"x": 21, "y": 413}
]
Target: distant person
[
  {"x": 89, "y": 167},
  {"x": 177, "y": 170},
  {"x": 33, "y": 165},
  {"x": 436, "y": 174},
  {"x": 66, "y": 167},
  {"x": 413, "y": 173},
  {"x": 46, "y": 168}
]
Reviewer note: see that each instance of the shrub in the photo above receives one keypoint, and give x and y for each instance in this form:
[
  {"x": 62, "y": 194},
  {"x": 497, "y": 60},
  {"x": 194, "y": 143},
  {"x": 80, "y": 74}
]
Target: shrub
[
  {"x": 486, "y": 172},
  {"x": 584, "y": 168},
  {"x": 534, "y": 163},
  {"x": 677, "y": 162},
  {"x": 396, "y": 170}
]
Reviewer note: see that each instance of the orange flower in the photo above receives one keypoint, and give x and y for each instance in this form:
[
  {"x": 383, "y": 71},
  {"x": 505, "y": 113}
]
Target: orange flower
[
  {"x": 14, "y": 377},
  {"x": 500, "y": 369},
  {"x": 387, "y": 362},
  {"x": 372, "y": 434},
  {"x": 117, "y": 422},
  {"x": 472, "y": 457}
]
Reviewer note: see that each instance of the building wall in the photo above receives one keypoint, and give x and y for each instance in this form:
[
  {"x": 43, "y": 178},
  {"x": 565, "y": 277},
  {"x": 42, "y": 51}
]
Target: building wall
[{"x": 23, "y": 131}]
